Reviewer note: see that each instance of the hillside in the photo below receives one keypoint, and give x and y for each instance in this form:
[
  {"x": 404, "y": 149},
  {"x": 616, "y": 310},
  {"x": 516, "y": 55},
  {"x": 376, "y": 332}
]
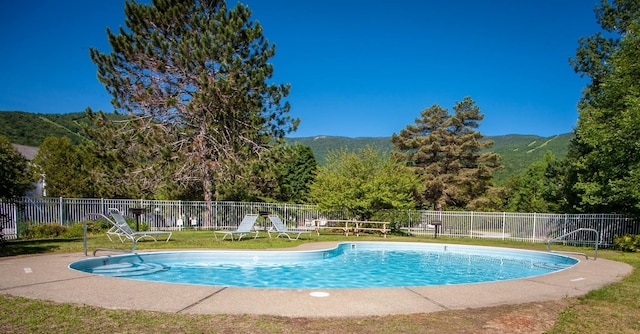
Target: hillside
[
  {"x": 322, "y": 145},
  {"x": 31, "y": 129},
  {"x": 517, "y": 151}
]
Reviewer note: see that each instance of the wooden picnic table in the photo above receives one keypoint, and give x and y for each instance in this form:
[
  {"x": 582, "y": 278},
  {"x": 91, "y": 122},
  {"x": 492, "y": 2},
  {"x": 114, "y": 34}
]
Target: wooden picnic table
[{"x": 353, "y": 226}]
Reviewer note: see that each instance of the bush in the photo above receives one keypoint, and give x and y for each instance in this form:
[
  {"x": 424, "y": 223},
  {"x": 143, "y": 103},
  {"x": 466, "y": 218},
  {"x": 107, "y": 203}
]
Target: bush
[
  {"x": 627, "y": 243},
  {"x": 48, "y": 231},
  {"x": 93, "y": 227},
  {"x": 143, "y": 226},
  {"x": 45, "y": 231}
]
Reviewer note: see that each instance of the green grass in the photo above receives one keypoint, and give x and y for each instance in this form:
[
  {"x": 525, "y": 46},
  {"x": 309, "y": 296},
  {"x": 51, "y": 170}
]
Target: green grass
[{"x": 611, "y": 309}]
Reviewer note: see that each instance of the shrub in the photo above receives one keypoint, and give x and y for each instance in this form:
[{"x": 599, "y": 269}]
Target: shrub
[
  {"x": 143, "y": 226},
  {"x": 627, "y": 243},
  {"x": 45, "y": 231},
  {"x": 93, "y": 227}
]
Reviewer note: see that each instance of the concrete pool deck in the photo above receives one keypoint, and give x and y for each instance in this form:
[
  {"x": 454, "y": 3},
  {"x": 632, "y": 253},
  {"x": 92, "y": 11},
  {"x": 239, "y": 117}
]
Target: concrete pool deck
[{"x": 47, "y": 277}]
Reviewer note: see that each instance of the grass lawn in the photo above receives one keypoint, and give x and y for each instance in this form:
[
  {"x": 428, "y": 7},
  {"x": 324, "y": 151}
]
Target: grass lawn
[{"x": 611, "y": 309}]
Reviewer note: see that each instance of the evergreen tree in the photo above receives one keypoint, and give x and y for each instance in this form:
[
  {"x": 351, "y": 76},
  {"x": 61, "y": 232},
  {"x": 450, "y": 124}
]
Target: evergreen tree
[
  {"x": 14, "y": 175},
  {"x": 605, "y": 154},
  {"x": 295, "y": 173},
  {"x": 283, "y": 174},
  {"x": 444, "y": 150},
  {"x": 193, "y": 78}
]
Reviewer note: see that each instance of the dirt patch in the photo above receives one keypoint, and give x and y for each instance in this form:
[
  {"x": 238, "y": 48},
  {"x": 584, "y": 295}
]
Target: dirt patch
[
  {"x": 521, "y": 319},
  {"x": 528, "y": 318}
]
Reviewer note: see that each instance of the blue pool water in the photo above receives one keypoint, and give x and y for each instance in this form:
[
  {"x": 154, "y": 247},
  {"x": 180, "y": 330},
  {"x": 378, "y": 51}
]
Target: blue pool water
[{"x": 349, "y": 265}]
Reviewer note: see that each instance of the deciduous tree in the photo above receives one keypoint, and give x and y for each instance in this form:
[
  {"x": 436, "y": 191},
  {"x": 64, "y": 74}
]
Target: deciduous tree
[
  {"x": 539, "y": 188},
  {"x": 194, "y": 79},
  {"x": 364, "y": 183},
  {"x": 605, "y": 154}
]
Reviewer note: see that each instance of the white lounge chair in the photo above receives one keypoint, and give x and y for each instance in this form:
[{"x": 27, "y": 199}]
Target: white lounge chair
[
  {"x": 282, "y": 229},
  {"x": 244, "y": 228},
  {"x": 122, "y": 230}
]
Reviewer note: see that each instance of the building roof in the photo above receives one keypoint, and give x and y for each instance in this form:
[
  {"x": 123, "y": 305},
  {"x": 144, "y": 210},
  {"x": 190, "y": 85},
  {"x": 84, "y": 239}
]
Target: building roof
[{"x": 29, "y": 152}]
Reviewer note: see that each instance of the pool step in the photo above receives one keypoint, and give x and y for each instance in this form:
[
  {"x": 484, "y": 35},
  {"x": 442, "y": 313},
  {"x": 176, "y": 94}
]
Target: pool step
[{"x": 128, "y": 269}]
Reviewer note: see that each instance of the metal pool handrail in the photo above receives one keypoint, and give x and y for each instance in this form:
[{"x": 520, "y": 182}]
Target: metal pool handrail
[
  {"x": 100, "y": 215},
  {"x": 597, "y": 242}
]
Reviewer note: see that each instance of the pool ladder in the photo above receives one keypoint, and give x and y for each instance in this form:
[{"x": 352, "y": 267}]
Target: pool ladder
[
  {"x": 596, "y": 242},
  {"x": 84, "y": 236}
]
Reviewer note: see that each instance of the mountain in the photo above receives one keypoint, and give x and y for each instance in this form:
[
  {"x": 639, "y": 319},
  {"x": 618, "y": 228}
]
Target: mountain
[
  {"x": 322, "y": 145},
  {"x": 31, "y": 129},
  {"x": 517, "y": 151}
]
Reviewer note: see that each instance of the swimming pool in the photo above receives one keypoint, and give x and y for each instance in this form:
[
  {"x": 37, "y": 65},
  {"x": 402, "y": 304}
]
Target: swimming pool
[{"x": 349, "y": 265}]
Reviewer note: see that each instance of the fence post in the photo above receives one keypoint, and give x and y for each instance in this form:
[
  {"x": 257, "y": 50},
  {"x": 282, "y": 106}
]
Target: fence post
[
  {"x": 533, "y": 232},
  {"x": 286, "y": 213},
  {"x": 601, "y": 232},
  {"x": 504, "y": 223},
  {"x": 60, "y": 205},
  {"x": 15, "y": 218}
]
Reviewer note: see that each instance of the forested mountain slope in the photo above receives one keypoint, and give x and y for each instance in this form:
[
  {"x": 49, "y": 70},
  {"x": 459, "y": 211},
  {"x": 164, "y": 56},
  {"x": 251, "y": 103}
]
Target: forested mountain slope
[
  {"x": 517, "y": 151},
  {"x": 31, "y": 129}
]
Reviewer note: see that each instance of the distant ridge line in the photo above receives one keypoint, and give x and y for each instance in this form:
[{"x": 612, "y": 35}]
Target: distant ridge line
[{"x": 518, "y": 152}]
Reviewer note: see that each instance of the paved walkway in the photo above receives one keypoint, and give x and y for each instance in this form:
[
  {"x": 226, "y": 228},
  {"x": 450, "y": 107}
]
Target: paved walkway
[{"x": 48, "y": 277}]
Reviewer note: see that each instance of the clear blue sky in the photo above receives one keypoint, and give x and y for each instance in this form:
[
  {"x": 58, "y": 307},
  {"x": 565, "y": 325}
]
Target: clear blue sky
[{"x": 358, "y": 68}]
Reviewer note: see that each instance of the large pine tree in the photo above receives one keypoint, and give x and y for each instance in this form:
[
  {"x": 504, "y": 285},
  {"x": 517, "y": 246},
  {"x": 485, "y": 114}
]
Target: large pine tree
[
  {"x": 192, "y": 77},
  {"x": 445, "y": 150}
]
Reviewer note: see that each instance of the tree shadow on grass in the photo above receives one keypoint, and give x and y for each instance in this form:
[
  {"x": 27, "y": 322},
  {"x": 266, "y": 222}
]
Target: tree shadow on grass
[{"x": 26, "y": 247}]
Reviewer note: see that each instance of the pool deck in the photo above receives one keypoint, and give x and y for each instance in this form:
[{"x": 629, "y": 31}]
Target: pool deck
[{"x": 48, "y": 277}]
